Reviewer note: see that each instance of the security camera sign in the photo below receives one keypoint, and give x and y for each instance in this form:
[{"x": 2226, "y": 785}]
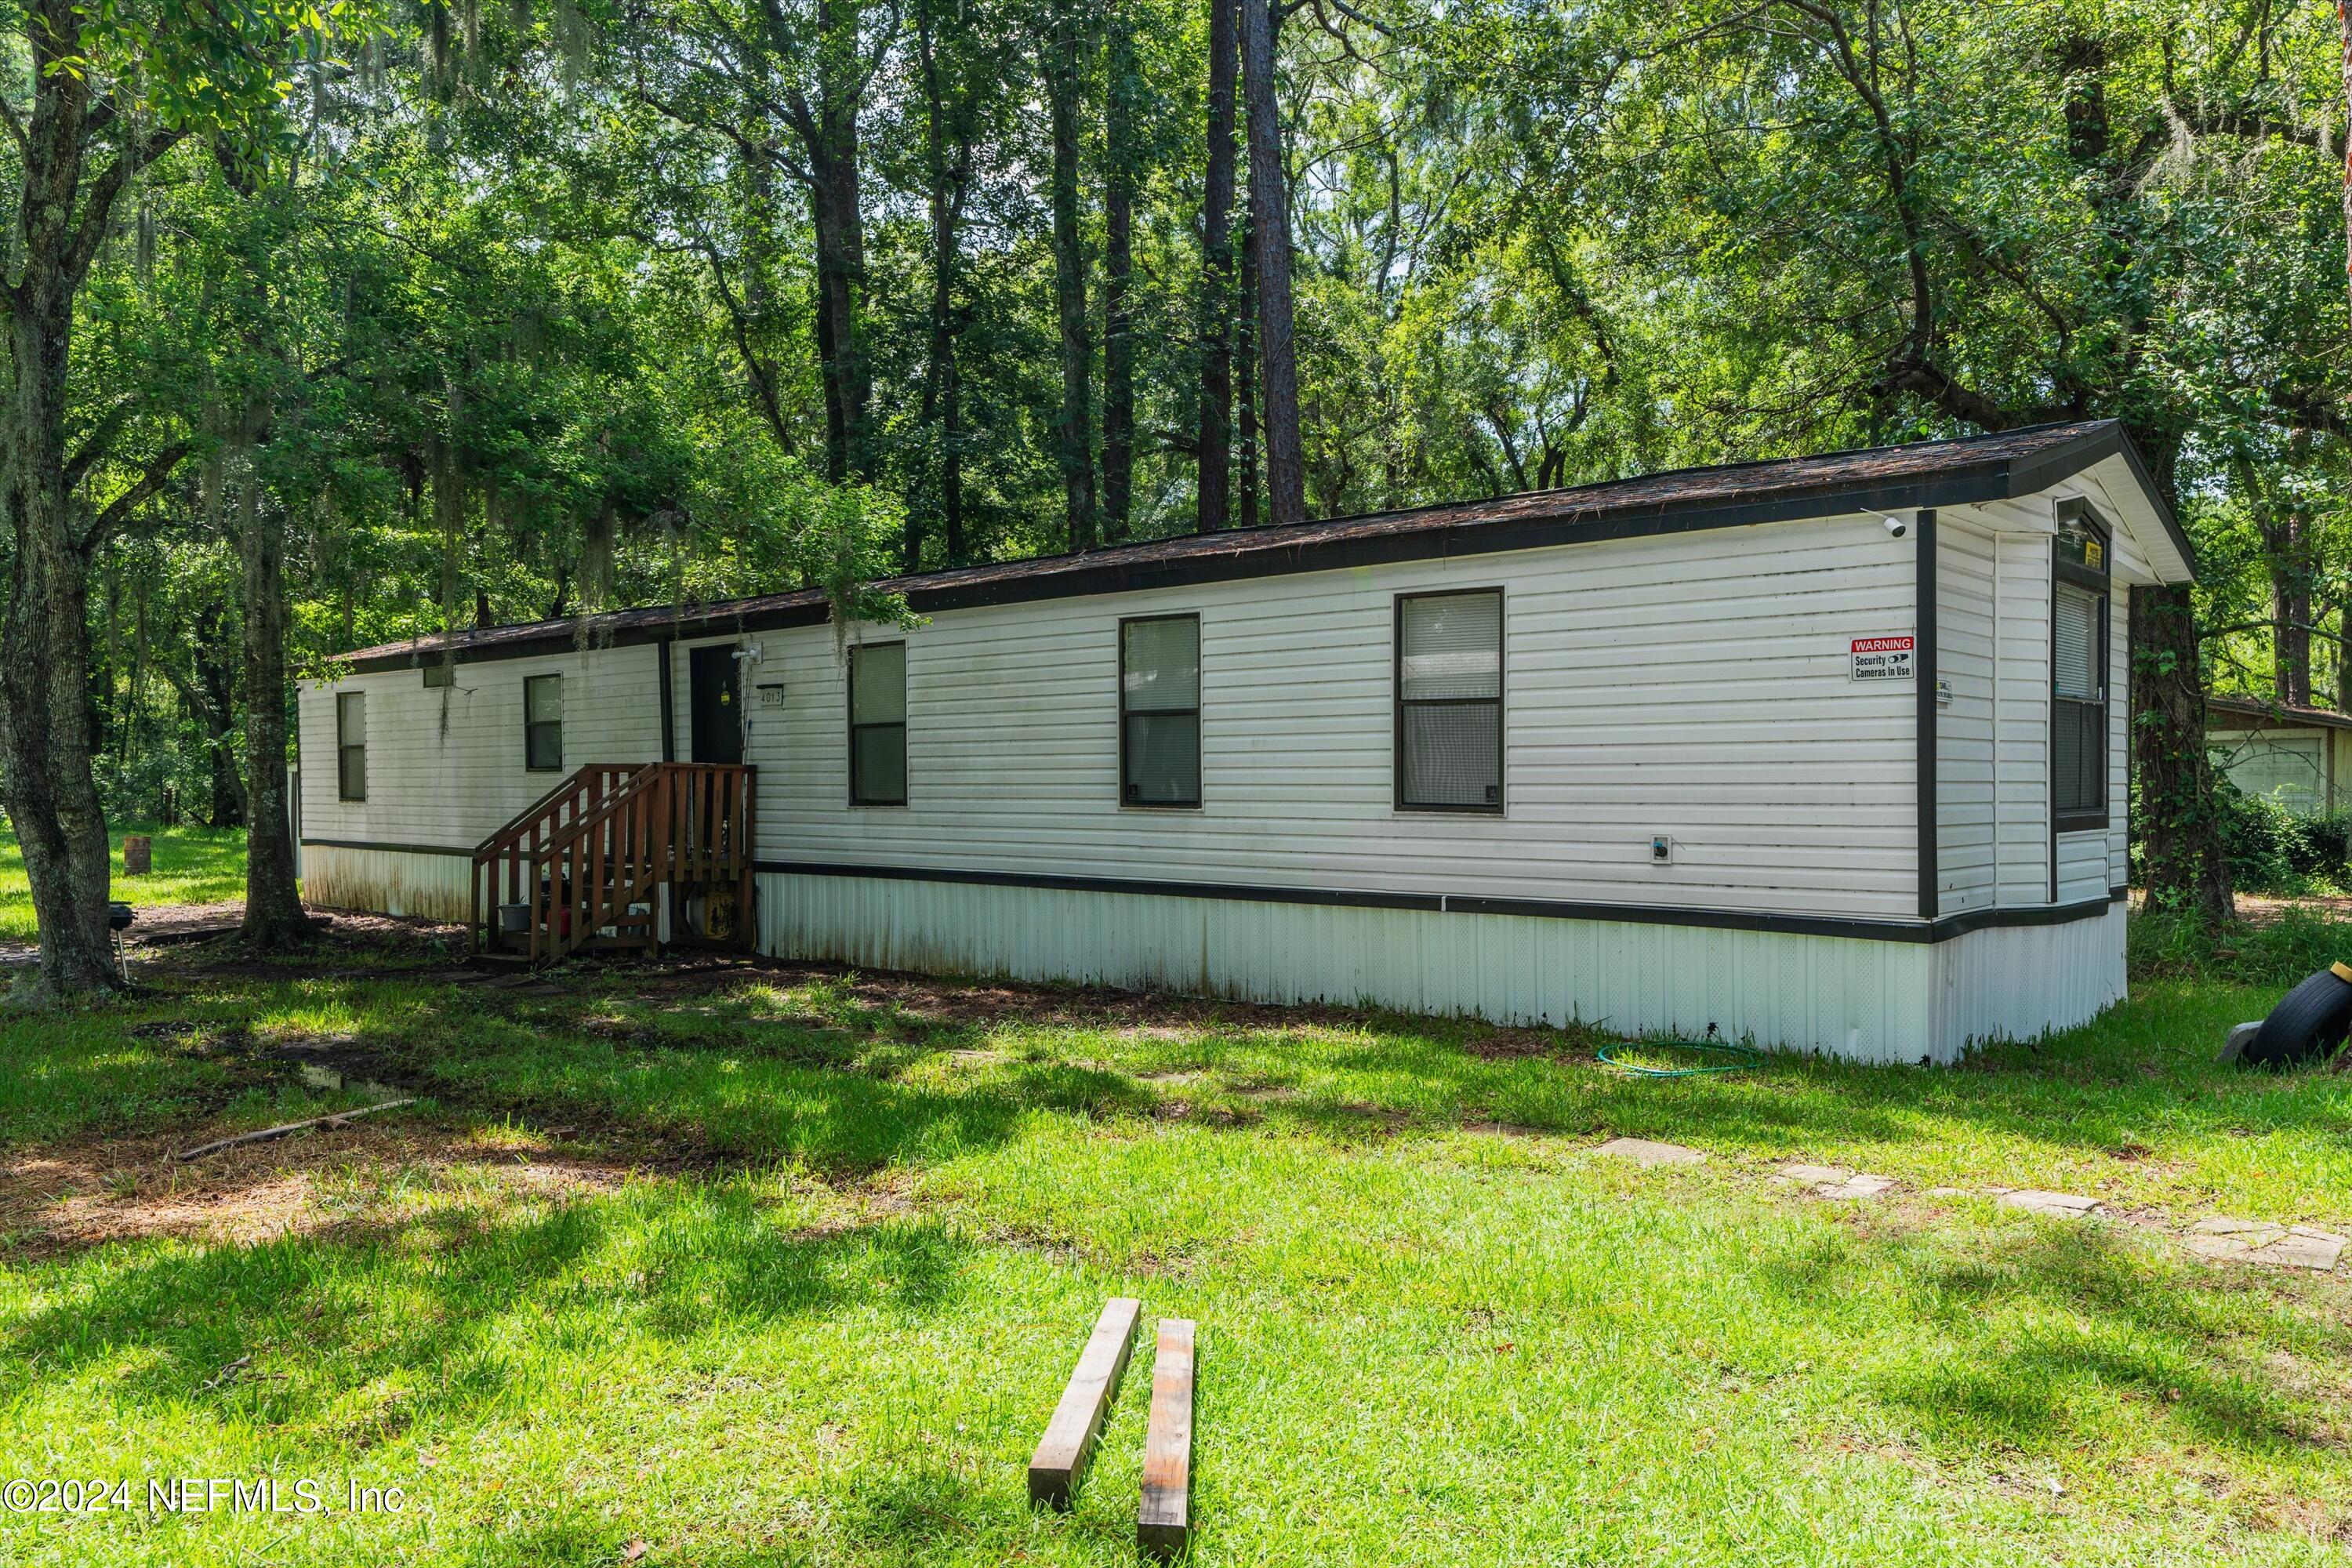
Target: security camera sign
[{"x": 1884, "y": 659}]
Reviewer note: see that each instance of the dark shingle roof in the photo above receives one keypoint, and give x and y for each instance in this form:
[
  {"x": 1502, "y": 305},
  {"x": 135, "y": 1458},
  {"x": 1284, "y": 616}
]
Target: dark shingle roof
[
  {"x": 1926, "y": 473},
  {"x": 2220, "y": 710}
]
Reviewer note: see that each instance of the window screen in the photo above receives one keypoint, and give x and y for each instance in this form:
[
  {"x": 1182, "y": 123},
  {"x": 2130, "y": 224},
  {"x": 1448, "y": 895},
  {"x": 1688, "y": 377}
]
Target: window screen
[
  {"x": 350, "y": 745},
  {"x": 542, "y": 723},
  {"x": 1159, "y": 710},
  {"x": 1449, "y": 687},
  {"x": 877, "y": 724},
  {"x": 440, "y": 673},
  {"x": 2078, "y": 752}
]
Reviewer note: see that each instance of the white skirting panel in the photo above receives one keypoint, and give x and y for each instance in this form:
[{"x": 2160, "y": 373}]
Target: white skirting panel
[
  {"x": 1862, "y": 999},
  {"x": 387, "y": 882},
  {"x": 2014, "y": 982}
]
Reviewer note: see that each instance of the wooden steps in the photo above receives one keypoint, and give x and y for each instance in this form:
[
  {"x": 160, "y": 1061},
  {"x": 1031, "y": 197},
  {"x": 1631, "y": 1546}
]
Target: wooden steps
[{"x": 592, "y": 864}]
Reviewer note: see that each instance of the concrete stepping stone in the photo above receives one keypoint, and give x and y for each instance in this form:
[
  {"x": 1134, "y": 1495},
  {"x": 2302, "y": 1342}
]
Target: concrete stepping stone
[
  {"x": 2065, "y": 1206},
  {"x": 1647, "y": 1154},
  {"x": 2226, "y": 1240},
  {"x": 1836, "y": 1180}
]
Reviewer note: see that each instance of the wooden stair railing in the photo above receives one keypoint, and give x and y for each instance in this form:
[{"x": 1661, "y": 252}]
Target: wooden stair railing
[
  {"x": 505, "y": 862},
  {"x": 590, "y": 861}
]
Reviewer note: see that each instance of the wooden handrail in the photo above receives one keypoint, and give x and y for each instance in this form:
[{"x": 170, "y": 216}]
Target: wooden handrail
[
  {"x": 550, "y": 803},
  {"x": 607, "y": 837}
]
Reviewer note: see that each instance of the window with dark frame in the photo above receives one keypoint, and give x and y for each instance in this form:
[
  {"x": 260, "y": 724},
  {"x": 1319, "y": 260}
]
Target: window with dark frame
[
  {"x": 2079, "y": 597},
  {"x": 1449, "y": 702},
  {"x": 440, "y": 674},
  {"x": 877, "y": 724},
  {"x": 350, "y": 745},
  {"x": 1160, "y": 712},
  {"x": 542, "y": 723}
]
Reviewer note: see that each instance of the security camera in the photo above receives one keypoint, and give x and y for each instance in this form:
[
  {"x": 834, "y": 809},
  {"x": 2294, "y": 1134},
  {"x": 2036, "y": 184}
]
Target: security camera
[{"x": 1895, "y": 527}]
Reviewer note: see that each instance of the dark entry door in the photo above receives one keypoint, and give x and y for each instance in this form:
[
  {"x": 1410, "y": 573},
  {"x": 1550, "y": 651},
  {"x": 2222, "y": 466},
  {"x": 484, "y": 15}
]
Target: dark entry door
[{"x": 717, "y": 705}]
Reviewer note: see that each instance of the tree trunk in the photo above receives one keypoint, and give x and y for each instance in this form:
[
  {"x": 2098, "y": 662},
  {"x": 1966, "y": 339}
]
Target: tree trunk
[
  {"x": 837, "y": 214},
  {"x": 2344, "y": 35},
  {"x": 215, "y": 694},
  {"x": 1074, "y": 427},
  {"x": 44, "y": 730},
  {"x": 2183, "y": 865},
  {"x": 2291, "y": 609},
  {"x": 2342, "y": 702},
  {"x": 1245, "y": 373},
  {"x": 1215, "y": 486},
  {"x": 273, "y": 908},
  {"x": 45, "y": 700},
  {"x": 951, "y": 182},
  {"x": 1286, "y": 467},
  {"x": 1119, "y": 321}
]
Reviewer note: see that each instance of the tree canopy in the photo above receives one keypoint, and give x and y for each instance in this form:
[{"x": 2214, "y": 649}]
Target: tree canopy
[{"x": 381, "y": 321}]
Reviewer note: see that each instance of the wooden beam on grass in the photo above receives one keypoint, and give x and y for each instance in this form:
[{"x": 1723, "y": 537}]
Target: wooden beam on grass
[
  {"x": 1069, "y": 1440},
  {"x": 336, "y": 1120},
  {"x": 1164, "y": 1523}
]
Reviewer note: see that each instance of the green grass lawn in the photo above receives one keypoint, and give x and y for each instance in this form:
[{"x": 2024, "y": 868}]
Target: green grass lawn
[
  {"x": 193, "y": 866},
  {"x": 783, "y": 1267}
]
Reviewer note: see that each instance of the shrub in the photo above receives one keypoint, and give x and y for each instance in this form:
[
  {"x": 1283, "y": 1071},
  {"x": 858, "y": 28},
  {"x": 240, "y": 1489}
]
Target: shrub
[{"x": 2274, "y": 850}]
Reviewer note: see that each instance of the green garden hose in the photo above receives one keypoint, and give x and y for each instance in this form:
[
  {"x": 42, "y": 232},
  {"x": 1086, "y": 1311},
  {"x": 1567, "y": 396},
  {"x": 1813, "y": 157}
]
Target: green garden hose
[{"x": 1742, "y": 1057}]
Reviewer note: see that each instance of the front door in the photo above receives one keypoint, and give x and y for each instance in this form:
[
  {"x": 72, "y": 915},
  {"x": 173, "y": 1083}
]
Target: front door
[{"x": 716, "y": 704}]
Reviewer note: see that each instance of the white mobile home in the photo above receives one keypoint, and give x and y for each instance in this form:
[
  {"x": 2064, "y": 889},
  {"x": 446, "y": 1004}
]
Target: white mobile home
[{"x": 1828, "y": 752}]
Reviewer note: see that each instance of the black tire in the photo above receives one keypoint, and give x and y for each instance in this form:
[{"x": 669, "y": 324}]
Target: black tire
[{"x": 2308, "y": 1024}]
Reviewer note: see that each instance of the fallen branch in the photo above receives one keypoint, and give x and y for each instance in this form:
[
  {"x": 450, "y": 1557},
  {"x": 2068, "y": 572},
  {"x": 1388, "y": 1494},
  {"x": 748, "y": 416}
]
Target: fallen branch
[{"x": 336, "y": 1119}]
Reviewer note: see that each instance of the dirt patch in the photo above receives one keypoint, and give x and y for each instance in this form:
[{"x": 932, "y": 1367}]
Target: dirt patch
[
  {"x": 2262, "y": 909},
  {"x": 67, "y": 1198},
  {"x": 1515, "y": 1044}
]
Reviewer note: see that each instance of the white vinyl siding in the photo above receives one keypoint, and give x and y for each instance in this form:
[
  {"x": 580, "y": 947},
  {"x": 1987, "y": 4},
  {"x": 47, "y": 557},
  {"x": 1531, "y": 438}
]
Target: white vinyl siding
[
  {"x": 2020, "y": 700},
  {"x": 1693, "y": 686},
  {"x": 445, "y": 763},
  {"x": 1964, "y": 728},
  {"x": 1696, "y": 686}
]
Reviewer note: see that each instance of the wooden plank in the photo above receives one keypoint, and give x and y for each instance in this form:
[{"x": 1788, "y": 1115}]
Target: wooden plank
[
  {"x": 1164, "y": 1523},
  {"x": 1069, "y": 1440}
]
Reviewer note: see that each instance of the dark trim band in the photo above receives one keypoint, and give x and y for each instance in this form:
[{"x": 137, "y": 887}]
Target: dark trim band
[
  {"x": 461, "y": 852},
  {"x": 1467, "y": 904},
  {"x": 668, "y": 718}
]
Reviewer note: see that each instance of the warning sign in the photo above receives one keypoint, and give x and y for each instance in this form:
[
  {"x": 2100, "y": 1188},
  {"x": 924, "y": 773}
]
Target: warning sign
[{"x": 1884, "y": 659}]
